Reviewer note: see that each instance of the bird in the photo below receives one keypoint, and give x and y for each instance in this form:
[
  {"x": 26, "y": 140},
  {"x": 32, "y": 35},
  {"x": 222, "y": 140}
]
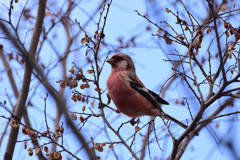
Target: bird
[{"x": 129, "y": 94}]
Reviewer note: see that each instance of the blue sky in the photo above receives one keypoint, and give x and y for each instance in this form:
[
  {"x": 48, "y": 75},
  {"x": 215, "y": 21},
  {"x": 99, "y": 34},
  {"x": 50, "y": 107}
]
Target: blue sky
[{"x": 148, "y": 56}]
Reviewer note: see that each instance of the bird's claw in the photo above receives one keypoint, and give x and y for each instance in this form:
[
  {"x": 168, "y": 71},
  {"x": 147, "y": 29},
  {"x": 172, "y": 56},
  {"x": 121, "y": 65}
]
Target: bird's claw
[
  {"x": 117, "y": 111},
  {"x": 109, "y": 99},
  {"x": 133, "y": 122}
]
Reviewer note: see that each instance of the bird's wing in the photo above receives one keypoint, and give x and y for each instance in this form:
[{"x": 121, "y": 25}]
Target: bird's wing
[{"x": 136, "y": 84}]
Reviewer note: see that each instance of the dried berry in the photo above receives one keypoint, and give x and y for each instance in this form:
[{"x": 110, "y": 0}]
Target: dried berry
[{"x": 74, "y": 116}]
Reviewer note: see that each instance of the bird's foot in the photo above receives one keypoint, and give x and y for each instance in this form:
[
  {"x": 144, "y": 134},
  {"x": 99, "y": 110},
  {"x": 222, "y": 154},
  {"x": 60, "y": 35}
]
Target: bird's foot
[{"x": 133, "y": 121}]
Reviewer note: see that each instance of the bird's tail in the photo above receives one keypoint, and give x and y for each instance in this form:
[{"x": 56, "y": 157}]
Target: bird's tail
[{"x": 178, "y": 122}]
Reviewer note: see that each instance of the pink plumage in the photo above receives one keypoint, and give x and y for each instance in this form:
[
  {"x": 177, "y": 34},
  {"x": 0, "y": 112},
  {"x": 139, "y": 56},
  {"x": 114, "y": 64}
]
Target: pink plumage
[
  {"x": 129, "y": 94},
  {"x": 126, "y": 99}
]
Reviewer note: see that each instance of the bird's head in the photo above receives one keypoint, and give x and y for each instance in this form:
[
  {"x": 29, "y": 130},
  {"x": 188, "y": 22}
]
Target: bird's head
[{"x": 121, "y": 61}]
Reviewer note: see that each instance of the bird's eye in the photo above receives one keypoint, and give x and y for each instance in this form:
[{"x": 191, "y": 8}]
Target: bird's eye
[{"x": 119, "y": 58}]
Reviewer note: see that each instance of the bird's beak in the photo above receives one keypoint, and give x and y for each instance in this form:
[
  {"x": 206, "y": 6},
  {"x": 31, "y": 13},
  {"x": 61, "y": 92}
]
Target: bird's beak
[{"x": 110, "y": 60}]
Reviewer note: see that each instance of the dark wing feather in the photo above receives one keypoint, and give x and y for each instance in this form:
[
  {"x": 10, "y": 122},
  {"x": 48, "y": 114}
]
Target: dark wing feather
[
  {"x": 152, "y": 97},
  {"x": 159, "y": 99},
  {"x": 148, "y": 94}
]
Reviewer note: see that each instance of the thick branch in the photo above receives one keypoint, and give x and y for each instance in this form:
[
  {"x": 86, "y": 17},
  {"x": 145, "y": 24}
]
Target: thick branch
[
  {"x": 218, "y": 41},
  {"x": 26, "y": 80},
  {"x": 50, "y": 89}
]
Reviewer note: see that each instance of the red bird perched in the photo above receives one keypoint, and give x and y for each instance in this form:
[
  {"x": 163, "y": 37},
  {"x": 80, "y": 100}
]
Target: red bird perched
[{"x": 129, "y": 94}]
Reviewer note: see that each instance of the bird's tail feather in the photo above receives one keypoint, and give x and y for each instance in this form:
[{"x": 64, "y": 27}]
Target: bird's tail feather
[{"x": 178, "y": 122}]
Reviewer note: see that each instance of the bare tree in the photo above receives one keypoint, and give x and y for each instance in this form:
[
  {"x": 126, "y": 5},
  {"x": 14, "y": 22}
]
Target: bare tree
[{"x": 205, "y": 64}]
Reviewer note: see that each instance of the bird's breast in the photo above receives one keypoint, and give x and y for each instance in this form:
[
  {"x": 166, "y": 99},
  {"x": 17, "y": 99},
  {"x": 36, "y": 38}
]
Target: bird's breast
[
  {"x": 117, "y": 84},
  {"x": 126, "y": 99}
]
